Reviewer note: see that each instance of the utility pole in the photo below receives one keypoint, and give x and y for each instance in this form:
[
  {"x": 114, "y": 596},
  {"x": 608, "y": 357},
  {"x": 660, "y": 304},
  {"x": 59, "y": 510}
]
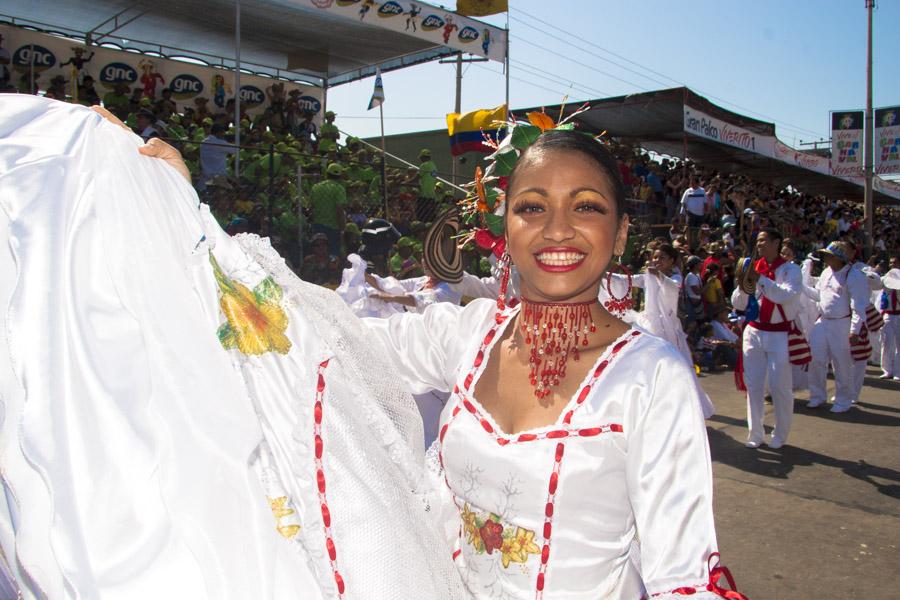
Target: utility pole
[
  {"x": 458, "y": 61},
  {"x": 869, "y": 134},
  {"x": 457, "y": 108}
]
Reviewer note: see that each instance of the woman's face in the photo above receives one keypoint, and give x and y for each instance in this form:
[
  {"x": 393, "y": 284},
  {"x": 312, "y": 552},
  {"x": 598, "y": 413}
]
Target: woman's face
[
  {"x": 662, "y": 261},
  {"x": 562, "y": 228},
  {"x": 787, "y": 254}
]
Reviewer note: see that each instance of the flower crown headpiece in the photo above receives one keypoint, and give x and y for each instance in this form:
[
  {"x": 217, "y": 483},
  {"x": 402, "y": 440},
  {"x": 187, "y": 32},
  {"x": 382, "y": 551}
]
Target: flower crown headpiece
[{"x": 483, "y": 208}]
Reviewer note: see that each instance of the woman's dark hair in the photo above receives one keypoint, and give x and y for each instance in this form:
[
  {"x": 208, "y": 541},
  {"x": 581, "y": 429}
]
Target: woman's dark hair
[
  {"x": 790, "y": 245},
  {"x": 670, "y": 251},
  {"x": 576, "y": 141}
]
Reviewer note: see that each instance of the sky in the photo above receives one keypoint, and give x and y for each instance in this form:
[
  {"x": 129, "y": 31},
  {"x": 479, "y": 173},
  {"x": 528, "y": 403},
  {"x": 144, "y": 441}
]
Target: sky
[{"x": 784, "y": 61}]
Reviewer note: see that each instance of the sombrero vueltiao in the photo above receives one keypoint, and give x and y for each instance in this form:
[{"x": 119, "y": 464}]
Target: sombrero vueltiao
[
  {"x": 741, "y": 271},
  {"x": 440, "y": 252}
]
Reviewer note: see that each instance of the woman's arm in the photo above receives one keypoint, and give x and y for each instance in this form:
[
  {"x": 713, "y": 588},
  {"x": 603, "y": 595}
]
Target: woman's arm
[
  {"x": 670, "y": 482},
  {"x": 424, "y": 348}
]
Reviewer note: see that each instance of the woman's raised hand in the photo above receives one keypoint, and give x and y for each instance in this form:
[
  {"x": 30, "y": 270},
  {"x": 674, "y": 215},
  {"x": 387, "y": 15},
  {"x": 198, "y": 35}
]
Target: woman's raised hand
[{"x": 154, "y": 148}]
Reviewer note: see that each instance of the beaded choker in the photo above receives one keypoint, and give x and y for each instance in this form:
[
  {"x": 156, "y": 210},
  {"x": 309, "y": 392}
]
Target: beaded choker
[{"x": 554, "y": 331}]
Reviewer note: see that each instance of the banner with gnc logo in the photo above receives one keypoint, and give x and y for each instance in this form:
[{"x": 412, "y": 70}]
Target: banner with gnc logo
[
  {"x": 424, "y": 21},
  {"x": 51, "y": 57}
]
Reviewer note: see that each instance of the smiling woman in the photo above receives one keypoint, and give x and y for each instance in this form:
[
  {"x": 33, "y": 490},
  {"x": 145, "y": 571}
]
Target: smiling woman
[{"x": 565, "y": 427}]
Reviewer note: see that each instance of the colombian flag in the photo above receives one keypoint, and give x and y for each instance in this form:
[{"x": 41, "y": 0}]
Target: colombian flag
[{"x": 467, "y": 131}]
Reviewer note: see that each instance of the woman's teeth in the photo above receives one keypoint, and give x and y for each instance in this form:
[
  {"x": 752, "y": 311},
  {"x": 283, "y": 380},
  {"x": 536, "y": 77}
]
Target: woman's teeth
[{"x": 560, "y": 258}]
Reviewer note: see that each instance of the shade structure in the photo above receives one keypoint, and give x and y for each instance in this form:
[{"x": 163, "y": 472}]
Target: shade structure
[
  {"x": 295, "y": 39},
  {"x": 660, "y": 121}
]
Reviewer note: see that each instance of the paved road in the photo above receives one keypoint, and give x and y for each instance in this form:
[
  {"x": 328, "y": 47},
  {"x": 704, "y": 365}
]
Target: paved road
[{"x": 819, "y": 518}]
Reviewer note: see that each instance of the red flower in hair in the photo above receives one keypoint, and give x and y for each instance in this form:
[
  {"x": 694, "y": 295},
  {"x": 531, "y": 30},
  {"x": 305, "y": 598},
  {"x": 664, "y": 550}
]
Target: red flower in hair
[{"x": 487, "y": 240}]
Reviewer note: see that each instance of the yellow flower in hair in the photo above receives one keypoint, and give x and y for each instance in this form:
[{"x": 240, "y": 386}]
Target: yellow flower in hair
[{"x": 255, "y": 322}]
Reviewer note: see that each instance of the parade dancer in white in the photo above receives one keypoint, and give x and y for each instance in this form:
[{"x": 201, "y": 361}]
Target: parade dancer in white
[
  {"x": 842, "y": 294},
  {"x": 873, "y": 280},
  {"x": 527, "y": 432},
  {"x": 765, "y": 339},
  {"x": 890, "y": 336}
]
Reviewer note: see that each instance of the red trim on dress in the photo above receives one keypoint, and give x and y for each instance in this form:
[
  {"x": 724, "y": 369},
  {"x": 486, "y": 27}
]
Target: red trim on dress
[
  {"x": 320, "y": 477},
  {"x": 549, "y": 509},
  {"x": 715, "y": 573},
  {"x": 566, "y": 431},
  {"x": 559, "y": 433}
]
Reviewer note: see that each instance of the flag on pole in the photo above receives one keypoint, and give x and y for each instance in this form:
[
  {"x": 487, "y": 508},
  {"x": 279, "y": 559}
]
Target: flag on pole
[
  {"x": 378, "y": 92},
  {"x": 467, "y": 131},
  {"x": 481, "y": 8}
]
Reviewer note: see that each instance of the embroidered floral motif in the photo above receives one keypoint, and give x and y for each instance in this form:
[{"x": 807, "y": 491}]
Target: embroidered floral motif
[
  {"x": 255, "y": 320},
  {"x": 281, "y": 510},
  {"x": 486, "y": 534}
]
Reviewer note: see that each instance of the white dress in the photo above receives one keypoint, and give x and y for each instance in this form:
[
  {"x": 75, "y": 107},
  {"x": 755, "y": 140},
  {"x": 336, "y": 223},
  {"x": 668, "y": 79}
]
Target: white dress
[
  {"x": 180, "y": 416},
  {"x": 553, "y": 512}
]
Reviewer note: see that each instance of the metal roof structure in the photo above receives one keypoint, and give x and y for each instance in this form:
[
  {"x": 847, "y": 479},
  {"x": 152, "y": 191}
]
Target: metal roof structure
[
  {"x": 655, "y": 121},
  {"x": 292, "y": 39}
]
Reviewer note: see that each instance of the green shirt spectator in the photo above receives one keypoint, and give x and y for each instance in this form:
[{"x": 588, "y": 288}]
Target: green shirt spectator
[
  {"x": 328, "y": 133},
  {"x": 427, "y": 175},
  {"x": 116, "y": 101},
  {"x": 328, "y": 199}
]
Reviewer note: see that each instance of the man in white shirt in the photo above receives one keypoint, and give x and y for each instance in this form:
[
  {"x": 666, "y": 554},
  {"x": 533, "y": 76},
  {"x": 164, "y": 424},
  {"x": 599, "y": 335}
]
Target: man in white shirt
[
  {"x": 890, "y": 336},
  {"x": 145, "y": 122},
  {"x": 765, "y": 340},
  {"x": 842, "y": 294},
  {"x": 693, "y": 286},
  {"x": 693, "y": 203},
  {"x": 213, "y": 154},
  {"x": 873, "y": 280}
]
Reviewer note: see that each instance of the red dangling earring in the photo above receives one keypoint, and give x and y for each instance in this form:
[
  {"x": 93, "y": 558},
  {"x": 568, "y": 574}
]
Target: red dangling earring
[
  {"x": 506, "y": 263},
  {"x": 618, "y": 306}
]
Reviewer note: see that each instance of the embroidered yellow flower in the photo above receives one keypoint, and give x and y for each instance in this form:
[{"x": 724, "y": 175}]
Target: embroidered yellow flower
[
  {"x": 281, "y": 510},
  {"x": 486, "y": 533},
  {"x": 255, "y": 322},
  {"x": 517, "y": 547}
]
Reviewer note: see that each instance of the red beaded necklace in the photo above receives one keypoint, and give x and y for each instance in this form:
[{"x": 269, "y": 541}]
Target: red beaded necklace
[{"x": 554, "y": 331}]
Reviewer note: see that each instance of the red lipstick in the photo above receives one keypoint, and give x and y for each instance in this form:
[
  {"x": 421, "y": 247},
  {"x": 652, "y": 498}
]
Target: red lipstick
[{"x": 559, "y": 259}]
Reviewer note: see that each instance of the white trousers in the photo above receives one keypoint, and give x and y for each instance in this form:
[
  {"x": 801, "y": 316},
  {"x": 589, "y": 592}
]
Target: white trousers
[
  {"x": 890, "y": 345},
  {"x": 830, "y": 343},
  {"x": 858, "y": 372},
  {"x": 766, "y": 357},
  {"x": 799, "y": 377},
  {"x": 875, "y": 340}
]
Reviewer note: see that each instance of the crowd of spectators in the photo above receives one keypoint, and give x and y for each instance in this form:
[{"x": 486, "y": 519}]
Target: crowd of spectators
[
  {"x": 711, "y": 219},
  {"x": 314, "y": 193}
]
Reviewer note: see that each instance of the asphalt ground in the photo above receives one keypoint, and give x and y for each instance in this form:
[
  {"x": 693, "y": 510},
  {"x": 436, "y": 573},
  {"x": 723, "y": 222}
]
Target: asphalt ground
[{"x": 820, "y": 517}]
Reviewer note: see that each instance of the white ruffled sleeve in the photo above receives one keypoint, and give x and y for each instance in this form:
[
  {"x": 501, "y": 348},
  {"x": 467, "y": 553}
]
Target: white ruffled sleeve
[
  {"x": 424, "y": 348},
  {"x": 670, "y": 480}
]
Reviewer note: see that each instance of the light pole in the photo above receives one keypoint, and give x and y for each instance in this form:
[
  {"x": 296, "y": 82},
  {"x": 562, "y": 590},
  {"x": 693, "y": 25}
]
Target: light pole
[{"x": 868, "y": 166}]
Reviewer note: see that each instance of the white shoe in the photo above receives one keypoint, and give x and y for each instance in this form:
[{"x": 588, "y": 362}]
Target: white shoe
[
  {"x": 775, "y": 443},
  {"x": 886, "y": 376},
  {"x": 815, "y": 403},
  {"x": 837, "y": 408},
  {"x": 752, "y": 444}
]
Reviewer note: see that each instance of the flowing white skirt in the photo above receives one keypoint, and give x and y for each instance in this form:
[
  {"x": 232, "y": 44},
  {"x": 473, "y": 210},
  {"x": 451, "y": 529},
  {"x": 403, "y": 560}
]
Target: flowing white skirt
[{"x": 167, "y": 391}]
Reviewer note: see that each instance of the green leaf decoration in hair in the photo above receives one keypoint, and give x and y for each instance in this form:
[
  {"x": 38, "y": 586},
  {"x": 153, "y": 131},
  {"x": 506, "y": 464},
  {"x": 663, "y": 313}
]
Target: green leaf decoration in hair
[
  {"x": 490, "y": 197},
  {"x": 505, "y": 162},
  {"x": 525, "y": 135},
  {"x": 565, "y": 127},
  {"x": 494, "y": 223}
]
